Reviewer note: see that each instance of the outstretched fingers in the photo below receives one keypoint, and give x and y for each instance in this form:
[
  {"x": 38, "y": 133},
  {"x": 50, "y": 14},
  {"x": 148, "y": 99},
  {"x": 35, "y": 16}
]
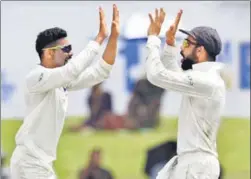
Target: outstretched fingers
[
  {"x": 115, "y": 22},
  {"x": 115, "y": 16},
  {"x": 177, "y": 20},
  {"x": 151, "y": 18},
  {"x": 162, "y": 15},
  {"x": 159, "y": 16},
  {"x": 101, "y": 14}
]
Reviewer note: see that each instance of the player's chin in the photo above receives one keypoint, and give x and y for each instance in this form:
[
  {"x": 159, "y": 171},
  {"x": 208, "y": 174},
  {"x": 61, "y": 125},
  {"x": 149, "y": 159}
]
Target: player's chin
[{"x": 66, "y": 61}]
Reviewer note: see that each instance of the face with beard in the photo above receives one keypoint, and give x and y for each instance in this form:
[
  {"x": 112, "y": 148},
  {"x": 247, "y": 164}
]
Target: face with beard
[{"x": 189, "y": 53}]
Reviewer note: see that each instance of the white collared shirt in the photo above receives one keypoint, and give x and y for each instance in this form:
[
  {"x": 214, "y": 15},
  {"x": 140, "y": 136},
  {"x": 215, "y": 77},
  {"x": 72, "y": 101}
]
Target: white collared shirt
[
  {"x": 203, "y": 90},
  {"x": 46, "y": 98}
]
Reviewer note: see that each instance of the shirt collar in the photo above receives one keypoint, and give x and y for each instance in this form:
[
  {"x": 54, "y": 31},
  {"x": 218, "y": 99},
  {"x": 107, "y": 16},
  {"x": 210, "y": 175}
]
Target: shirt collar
[
  {"x": 222, "y": 69},
  {"x": 206, "y": 66}
]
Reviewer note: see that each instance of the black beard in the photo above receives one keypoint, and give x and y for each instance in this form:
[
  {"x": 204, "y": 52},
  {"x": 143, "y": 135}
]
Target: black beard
[
  {"x": 187, "y": 64},
  {"x": 67, "y": 59}
]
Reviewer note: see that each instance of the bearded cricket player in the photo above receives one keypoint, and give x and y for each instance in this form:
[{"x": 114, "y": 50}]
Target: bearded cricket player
[
  {"x": 202, "y": 82},
  {"x": 46, "y": 95}
]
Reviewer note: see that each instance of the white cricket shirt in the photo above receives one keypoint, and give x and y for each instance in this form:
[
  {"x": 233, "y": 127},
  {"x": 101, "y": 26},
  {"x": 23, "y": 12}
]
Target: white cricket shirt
[
  {"x": 46, "y": 98},
  {"x": 203, "y": 90}
]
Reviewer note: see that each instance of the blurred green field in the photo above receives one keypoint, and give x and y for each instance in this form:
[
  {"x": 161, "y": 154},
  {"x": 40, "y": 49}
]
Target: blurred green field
[{"x": 124, "y": 153}]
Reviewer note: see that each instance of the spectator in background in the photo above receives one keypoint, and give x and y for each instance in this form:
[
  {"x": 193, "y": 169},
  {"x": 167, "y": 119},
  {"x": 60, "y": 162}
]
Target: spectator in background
[
  {"x": 144, "y": 105},
  {"x": 99, "y": 104},
  {"x": 143, "y": 109},
  {"x": 94, "y": 169}
]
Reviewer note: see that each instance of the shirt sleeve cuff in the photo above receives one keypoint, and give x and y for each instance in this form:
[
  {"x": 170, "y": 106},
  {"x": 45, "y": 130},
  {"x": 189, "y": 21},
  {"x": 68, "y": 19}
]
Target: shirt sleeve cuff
[
  {"x": 94, "y": 45},
  {"x": 153, "y": 40},
  {"x": 170, "y": 49},
  {"x": 105, "y": 65}
]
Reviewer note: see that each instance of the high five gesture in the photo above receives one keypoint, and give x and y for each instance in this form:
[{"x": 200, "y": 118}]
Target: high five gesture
[
  {"x": 110, "y": 52},
  {"x": 115, "y": 30},
  {"x": 103, "y": 30},
  {"x": 171, "y": 32},
  {"x": 156, "y": 23}
]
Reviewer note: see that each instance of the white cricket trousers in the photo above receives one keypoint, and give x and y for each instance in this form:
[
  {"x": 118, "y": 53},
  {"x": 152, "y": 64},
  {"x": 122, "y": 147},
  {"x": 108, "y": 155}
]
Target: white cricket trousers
[
  {"x": 197, "y": 165},
  {"x": 25, "y": 166}
]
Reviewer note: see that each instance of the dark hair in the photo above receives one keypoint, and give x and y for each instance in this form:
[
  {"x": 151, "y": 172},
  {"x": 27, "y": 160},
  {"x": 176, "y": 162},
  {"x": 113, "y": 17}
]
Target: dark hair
[
  {"x": 47, "y": 37},
  {"x": 211, "y": 58}
]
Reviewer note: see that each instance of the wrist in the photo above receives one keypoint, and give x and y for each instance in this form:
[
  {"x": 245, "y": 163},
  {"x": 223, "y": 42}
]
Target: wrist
[
  {"x": 170, "y": 42},
  {"x": 153, "y": 34},
  {"x": 99, "y": 39}
]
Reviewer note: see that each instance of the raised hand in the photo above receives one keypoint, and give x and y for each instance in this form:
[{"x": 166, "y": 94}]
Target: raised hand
[
  {"x": 103, "y": 30},
  {"x": 110, "y": 52},
  {"x": 171, "y": 32},
  {"x": 115, "y": 30},
  {"x": 155, "y": 24}
]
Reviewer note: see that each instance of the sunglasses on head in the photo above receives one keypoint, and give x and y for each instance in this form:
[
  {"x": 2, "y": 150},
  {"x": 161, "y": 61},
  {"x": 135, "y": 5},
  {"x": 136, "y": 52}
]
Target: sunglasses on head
[
  {"x": 65, "y": 49},
  {"x": 187, "y": 43}
]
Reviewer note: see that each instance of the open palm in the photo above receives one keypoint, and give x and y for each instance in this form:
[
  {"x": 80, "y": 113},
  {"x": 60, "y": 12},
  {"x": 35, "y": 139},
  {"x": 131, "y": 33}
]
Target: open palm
[
  {"x": 171, "y": 32},
  {"x": 115, "y": 30}
]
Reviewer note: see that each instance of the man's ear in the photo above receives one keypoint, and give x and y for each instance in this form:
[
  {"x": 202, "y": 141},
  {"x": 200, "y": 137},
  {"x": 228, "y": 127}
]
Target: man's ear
[
  {"x": 48, "y": 53},
  {"x": 200, "y": 49}
]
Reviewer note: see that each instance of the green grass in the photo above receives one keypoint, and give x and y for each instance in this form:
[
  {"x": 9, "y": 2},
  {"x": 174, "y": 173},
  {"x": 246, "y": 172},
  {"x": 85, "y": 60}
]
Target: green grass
[{"x": 124, "y": 153}]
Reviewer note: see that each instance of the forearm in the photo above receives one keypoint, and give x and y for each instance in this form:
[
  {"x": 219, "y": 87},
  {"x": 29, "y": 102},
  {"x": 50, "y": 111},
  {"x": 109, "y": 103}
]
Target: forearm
[
  {"x": 93, "y": 75},
  {"x": 84, "y": 58},
  {"x": 191, "y": 83},
  {"x": 58, "y": 77},
  {"x": 110, "y": 52}
]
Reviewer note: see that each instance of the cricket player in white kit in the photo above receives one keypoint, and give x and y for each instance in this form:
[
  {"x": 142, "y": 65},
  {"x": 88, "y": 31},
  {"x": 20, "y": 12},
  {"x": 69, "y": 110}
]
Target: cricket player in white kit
[
  {"x": 46, "y": 95},
  {"x": 202, "y": 82}
]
